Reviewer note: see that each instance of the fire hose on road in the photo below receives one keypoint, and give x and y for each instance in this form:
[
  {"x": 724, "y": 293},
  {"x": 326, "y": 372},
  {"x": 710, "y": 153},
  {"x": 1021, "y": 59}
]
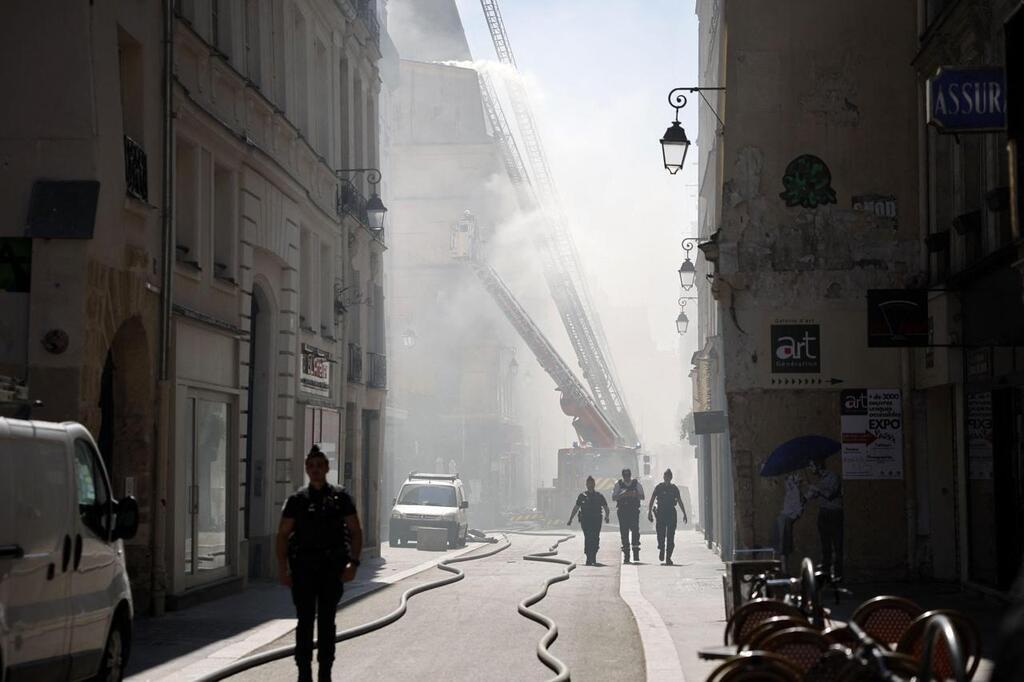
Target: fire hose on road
[{"x": 549, "y": 660}]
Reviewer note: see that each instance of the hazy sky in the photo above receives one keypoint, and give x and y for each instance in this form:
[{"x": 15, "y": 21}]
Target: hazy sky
[{"x": 600, "y": 73}]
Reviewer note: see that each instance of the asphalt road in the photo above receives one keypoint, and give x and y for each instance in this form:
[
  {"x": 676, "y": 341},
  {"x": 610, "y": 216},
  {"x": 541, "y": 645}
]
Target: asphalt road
[{"x": 471, "y": 630}]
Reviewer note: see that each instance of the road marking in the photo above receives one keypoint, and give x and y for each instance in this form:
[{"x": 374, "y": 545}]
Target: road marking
[
  {"x": 262, "y": 635},
  {"x": 659, "y": 650}
]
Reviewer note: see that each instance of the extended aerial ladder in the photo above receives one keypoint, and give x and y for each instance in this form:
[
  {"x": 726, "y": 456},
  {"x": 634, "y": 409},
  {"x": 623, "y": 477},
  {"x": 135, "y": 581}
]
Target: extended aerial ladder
[{"x": 537, "y": 192}]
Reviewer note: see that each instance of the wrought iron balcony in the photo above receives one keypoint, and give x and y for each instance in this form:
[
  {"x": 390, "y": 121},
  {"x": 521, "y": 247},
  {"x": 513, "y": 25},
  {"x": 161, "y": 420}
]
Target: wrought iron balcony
[
  {"x": 351, "y": 202},
  {"x": 135, "y": 173},
  {"x": 378, "y": 370},
  {"x": 355, "y": 363}
]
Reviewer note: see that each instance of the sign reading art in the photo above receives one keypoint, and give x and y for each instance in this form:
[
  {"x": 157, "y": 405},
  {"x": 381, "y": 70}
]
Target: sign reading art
[
  {"x": 871, "y": 421},
  {"x": 796, "y": 348},
  {"x": 967, "y": 99},
  {"x": 315, "y": 376},
  {"x": 979, "y": 436}
]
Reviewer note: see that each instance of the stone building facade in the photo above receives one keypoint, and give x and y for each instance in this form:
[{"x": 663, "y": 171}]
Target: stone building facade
[
  {"x": 828, "y": 181},
  {"x": 809, "y": 129},
  {"x": 207, "y": 380}
]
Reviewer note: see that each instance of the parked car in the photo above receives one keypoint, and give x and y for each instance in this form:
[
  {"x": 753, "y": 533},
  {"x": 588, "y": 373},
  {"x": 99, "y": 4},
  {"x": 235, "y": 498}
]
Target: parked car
[
  {"x": 65, "y": 603},
  {"x": 429, "y": 501}
]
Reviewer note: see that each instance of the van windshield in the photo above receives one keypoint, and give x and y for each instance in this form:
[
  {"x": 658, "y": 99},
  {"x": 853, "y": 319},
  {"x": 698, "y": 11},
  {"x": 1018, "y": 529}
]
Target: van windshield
[{"x": 429, "y": 495}]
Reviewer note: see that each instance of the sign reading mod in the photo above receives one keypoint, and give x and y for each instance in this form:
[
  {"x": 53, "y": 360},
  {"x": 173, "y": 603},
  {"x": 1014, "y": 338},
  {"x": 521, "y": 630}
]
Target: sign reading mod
[
  {"x": 796, "y": 348},
  {"x": 967, "y": 99}
]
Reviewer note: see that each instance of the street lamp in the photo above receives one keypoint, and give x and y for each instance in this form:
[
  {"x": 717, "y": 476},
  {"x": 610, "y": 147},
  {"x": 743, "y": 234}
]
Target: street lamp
[
  {"x": 675, "y": 144},
  {"x": 682, "y": 321},
  {"x": 375, "y": 208},
  {"x": 687, "y": 271}
]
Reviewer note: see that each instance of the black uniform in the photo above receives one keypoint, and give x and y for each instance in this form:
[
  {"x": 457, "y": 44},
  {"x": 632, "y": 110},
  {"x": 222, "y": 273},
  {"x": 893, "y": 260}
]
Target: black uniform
[
  {"x": 627, "y": 509},
  {"x": 317, "y": 556},
  {"x": 666, "y": 496},
  {"x": 592, "y": 505}
]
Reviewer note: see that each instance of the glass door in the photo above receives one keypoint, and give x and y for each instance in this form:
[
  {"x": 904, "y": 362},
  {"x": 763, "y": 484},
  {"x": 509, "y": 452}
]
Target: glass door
[{"x": 207, "y": 432}]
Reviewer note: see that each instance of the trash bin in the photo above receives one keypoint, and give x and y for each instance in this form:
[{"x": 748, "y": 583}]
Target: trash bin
[
  {"x": 432, "y": 539},
  {"x": 738, "y": 576}
]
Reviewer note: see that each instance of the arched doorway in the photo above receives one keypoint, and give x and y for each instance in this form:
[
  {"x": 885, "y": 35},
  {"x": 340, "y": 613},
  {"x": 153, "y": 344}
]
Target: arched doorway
[
  {"x": 126, "y": 436},
  {"x": 259, "y": 432}
]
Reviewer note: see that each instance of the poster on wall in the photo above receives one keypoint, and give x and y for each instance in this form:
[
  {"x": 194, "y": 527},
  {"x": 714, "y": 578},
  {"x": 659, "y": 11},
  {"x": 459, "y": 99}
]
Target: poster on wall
[
  {"x": 871, "y": 421},
  {"x": 979, "y": 436}
]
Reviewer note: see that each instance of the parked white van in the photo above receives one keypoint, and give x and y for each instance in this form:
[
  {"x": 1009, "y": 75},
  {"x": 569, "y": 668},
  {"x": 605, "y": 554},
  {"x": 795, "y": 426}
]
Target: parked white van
[
  {"x": 65, "y": 603},
  {"x": 429, "y": 501}
]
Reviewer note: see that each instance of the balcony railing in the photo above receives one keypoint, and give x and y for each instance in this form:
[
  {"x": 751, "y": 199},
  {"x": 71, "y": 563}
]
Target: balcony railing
[
  {"x": 135, "y": 174},
  {"x": 378, "y": 370},
  {"x": 351, "y": 202},
  {"x": 355, "y": 363}
]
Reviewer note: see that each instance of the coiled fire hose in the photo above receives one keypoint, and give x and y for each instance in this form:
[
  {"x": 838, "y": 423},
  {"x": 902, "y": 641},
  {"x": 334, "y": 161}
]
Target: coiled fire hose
[
  {"x": 559, "y": 667},
  {"x": 556, "y": 665}
]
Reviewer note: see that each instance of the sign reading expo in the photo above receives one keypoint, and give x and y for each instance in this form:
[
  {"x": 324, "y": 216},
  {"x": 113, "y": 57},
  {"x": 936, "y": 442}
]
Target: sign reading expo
[
  {"x": 796, "y": 349},
  {"x": 871, "y": 423},
  {"x": 316, "y": 371},
  {"x": 967, "y": 99}
]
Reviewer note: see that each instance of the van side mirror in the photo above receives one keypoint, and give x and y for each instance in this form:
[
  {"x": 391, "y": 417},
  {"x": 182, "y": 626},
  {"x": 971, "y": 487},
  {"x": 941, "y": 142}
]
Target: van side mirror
[
  {"x": 464, "y": 504},
  {"x": 394, "y": 501},
  {"x": 126, "y": 518}
]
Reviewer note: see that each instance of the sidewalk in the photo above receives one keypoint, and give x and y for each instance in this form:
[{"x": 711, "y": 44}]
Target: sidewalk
[
  {"x": 188, "y": 643},
  {"x": 689, "y": 600},
  {"x": 688, "y": 597}
]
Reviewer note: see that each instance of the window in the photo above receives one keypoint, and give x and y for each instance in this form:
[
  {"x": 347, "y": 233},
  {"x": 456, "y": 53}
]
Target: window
[
  {"x": 277, "y": 53},
  {"x": 321, "y": 138},
  {"x": 93, "y": 497},
  {"x": 326, "y": 292},
  {"x": 253, "y": 55},
  {"x": 129, "y": 57},
  {"x": 344, "y": 116},
  {"x": 300, "y": 106},
  {"x": 186, "y": 205},
  {"x": 224, "y": 223},
  {"x": 307, "y": 295},
  {"x": 428, "y": 495},
  {"x": 220, "y": 25}
]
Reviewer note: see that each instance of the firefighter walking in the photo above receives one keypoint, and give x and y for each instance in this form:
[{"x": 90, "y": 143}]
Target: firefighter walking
[
  {"x": 664, "y": 499},
  {"x": 627, "y": 495},
  {"x": 590, "y": 504}
]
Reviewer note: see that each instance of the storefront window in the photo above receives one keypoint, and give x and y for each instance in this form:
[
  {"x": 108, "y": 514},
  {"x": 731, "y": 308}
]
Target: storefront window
[
  {"x": 206, "y": 433},
  {"x": 323, "y": 428}
]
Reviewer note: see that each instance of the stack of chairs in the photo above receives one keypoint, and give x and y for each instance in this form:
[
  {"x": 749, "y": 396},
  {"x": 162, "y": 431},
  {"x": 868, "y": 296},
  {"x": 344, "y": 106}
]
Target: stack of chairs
[{"x": 789, "y": 639}]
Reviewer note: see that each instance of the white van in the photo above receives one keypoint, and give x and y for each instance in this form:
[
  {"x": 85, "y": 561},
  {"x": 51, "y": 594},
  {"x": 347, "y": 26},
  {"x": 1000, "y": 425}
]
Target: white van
[
  {"x": 429, "y": 501},
  {"x": 65, "y": 604}
]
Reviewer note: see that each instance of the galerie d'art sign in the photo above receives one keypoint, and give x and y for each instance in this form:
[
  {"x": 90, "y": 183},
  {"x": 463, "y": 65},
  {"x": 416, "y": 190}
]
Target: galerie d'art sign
[
  {"x": 967, "y": 99},
  {"x": 872, "y": 433}
]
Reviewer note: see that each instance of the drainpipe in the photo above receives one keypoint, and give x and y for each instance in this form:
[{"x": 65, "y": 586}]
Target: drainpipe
[
  {"x": 158, "y": 537},
  {"x": 909, "y": 472}
]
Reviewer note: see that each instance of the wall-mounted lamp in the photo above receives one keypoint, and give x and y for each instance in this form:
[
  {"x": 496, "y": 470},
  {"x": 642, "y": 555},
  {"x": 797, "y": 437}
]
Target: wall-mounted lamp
[
  {"x": 675, "y": 144},
  {"x": 687, "y": 271},
  {"x": 682, "y": 321},
  {"x": 409, "y": 338}
]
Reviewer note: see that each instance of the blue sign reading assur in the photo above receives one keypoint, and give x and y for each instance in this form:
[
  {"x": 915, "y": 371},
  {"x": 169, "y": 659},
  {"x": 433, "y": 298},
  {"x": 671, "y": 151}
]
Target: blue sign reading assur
[{"x": 967, "y": 99}]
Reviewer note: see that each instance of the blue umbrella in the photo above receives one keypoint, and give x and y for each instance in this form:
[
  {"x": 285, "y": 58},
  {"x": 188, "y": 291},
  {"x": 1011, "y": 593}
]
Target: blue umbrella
[{"x": 797, "y": 454}]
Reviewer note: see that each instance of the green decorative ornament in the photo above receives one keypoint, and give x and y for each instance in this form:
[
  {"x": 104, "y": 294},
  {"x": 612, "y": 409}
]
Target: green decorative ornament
[{"x": 808, "y": 183}]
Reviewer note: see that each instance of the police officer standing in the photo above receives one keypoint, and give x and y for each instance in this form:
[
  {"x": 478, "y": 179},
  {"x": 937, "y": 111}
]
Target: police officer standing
[
  {"x": 666, "y": 495},
  {"x": 627, "y": 494},
  {"x": 590, "y": 504},
  {"x": 318, "y": 545}
]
